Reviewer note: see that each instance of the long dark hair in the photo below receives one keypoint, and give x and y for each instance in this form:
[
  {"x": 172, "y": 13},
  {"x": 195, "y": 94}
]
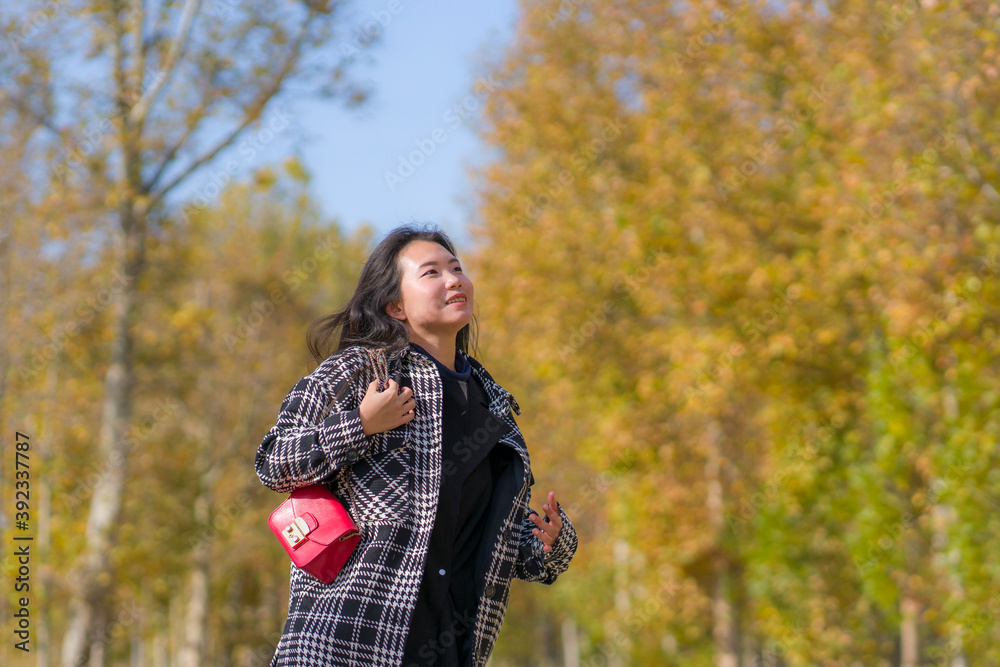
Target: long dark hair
[{"x": 363, "y": 321}]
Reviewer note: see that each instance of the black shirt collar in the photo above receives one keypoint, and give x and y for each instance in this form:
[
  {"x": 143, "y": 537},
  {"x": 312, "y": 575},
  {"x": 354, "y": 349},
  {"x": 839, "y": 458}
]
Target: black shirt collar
[{"x": 462, "y": 367}]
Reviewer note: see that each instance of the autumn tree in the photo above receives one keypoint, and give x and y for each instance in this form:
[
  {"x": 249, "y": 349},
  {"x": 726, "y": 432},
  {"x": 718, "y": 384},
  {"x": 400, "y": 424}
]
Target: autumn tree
[
  {"x": 139, "y": 101},
  {"x": 763, "y": 235}
]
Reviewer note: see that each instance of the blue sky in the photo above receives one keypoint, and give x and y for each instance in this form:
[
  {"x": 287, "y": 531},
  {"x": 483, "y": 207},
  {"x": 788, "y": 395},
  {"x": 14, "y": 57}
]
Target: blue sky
[
  {"x": 421, "y": 70},
  {"x": 427, "y": 61}
]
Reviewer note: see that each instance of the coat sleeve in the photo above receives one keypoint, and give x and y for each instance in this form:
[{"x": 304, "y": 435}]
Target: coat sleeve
[
  {"x": 534, "y": 564},
  {"x": 304, "y": 446}
]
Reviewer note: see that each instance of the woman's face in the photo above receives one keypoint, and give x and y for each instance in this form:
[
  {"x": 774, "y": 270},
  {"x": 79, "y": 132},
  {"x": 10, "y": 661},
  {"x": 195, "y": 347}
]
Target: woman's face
[{"x": 432, "y": 276}]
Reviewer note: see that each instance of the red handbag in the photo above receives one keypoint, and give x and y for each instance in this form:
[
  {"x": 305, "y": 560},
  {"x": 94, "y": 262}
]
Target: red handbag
[
  {"x": 312, "y": 525},
  {"x": 316, "y": 531}
]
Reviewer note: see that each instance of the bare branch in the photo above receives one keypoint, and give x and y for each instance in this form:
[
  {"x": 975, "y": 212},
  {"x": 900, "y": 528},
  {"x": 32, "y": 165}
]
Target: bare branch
[
  {"x": 190, "y": 128},
  {"x": 137, "y": 17},
  {"x": 140, "y": 110},
  {"x": 172, "y": 151},
  {"x": 253, "y": 113},
  {"x": 44, "y": 121}
]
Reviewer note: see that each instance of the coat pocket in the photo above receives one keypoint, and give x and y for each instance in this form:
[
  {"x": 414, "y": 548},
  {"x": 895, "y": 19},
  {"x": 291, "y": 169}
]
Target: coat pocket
[{"x": 381, "y": 487}]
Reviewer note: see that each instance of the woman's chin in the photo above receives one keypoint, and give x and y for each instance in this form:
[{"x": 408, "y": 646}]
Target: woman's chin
[{"x": 460, "y": 321}]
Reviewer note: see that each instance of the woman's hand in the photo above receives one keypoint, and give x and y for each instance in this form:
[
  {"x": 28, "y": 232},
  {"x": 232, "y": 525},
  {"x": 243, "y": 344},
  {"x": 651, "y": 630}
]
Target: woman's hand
[
  {"x": 385, "y": 410},
  {"x": 547, "y": 532}
]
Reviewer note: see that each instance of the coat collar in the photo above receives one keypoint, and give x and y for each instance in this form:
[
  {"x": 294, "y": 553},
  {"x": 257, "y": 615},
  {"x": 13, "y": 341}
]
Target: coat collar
[
  {"x": 499, "y": 398},
  {"x": 505, "y": 398}
]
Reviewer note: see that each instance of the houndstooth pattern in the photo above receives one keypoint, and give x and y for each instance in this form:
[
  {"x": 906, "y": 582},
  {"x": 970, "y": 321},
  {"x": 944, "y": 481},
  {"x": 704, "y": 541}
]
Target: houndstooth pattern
[{"x": 389, "y": 483}]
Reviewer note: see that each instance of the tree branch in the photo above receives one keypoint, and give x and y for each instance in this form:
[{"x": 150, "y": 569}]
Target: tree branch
[
  {"x": 44, "y": 121},
  {"x": 139, "y": 111},
  {"x": 252, "y": 114},
  {"x": 171, "y": 153},
  {"x": 137, "y": 16},
  {"x": 190, "y": 128}
]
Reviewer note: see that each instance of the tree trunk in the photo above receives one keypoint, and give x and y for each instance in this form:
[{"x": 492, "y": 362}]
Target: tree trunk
[
  {"x": 622, "y": 600},
  {"x": 93, "y": 575},
  {"x": 942, "y": 517},
  {"x": 176, "y": 634},
  {"x": 43, "y": 641},
  {"x": 909, "y": 650},
  {"x": 723, "y": 621},
  {"x": 98, "y": 639},
  {"x": 197, "y": 610},
  {"x": 193, "y": 650},
  {"x": 160, "y": 641},
  {"x": 723, "y": 614},
  {"x": 137, "y": 651},
  {"x": 570, "y": 643}
]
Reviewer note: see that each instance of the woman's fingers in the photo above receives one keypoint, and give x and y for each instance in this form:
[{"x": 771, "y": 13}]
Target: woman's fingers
[
  {"x": 546, "y": 539},
  {"x": 547, "y": 531},
  {"x": 385, "y": 410},
  {"x": 551, "y": 509}
]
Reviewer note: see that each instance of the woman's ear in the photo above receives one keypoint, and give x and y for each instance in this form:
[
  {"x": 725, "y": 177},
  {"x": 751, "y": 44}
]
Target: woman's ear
[{"x": 394, "y": 311}]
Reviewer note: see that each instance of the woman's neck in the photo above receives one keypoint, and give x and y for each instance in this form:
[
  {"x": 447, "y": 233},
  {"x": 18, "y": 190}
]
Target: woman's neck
[{"x": 443, "y": 351}]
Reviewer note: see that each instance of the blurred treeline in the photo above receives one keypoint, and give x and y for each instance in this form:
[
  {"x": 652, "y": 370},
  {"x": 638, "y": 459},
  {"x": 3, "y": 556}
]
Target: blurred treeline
[{"x": 737, "y": 261}]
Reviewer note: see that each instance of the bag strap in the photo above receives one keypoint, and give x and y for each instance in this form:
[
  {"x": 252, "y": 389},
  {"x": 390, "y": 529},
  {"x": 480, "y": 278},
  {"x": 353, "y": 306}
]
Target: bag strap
[{"x": 379, "y": 365}]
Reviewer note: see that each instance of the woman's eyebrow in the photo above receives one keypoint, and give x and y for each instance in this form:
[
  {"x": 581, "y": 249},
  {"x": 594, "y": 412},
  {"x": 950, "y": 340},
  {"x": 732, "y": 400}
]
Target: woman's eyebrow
[{"x": 435, "y": 262}]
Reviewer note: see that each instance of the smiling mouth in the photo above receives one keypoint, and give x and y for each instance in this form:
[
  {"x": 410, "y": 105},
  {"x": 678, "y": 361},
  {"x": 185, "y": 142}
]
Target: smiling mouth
[{"x": 460, "y": 301}]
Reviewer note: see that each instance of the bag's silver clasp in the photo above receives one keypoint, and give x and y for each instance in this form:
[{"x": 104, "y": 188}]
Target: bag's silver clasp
[{"x": 296, "y": 532}]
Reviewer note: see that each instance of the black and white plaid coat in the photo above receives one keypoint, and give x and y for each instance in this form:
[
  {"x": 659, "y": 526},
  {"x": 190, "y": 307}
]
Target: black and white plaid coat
[{"x": 389, "y": 482}]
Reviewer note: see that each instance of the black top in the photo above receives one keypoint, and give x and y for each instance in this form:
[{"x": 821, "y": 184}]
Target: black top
[
  {"x": 446, "y": 603},
  {"x": 463, "y": 371}
]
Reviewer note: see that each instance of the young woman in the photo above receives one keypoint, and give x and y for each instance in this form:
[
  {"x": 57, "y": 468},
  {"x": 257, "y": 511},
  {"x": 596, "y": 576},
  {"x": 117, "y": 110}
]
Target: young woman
[{"x": 433, "y": 470}]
